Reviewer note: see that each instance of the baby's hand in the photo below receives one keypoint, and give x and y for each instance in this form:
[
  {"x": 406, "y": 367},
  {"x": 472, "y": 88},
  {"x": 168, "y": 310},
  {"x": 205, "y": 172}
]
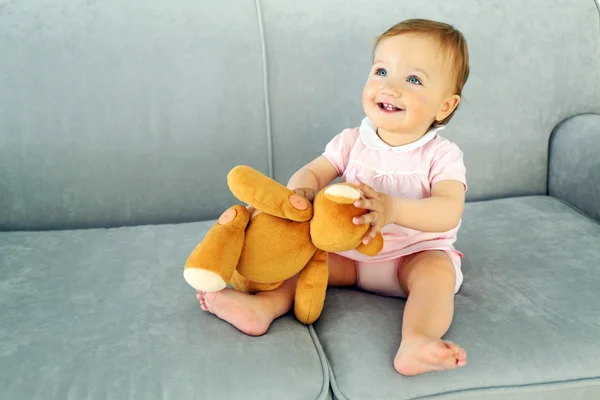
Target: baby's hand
[
  {"x": 381, "y": 207},
  {"x": 308, "y": 193}
]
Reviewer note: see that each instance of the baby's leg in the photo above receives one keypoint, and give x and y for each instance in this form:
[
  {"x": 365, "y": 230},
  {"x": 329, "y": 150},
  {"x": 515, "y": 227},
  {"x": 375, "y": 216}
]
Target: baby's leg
[
  {"x": 342, "y": 271},
  {"x": 429, "y": 280},
  {"x": 251, "y": 314}
]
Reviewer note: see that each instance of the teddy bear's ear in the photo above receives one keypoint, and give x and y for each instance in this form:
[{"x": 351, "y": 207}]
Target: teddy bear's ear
[
  {"x": 343, "y": 193},
  {"x": 374, "y": 246}
]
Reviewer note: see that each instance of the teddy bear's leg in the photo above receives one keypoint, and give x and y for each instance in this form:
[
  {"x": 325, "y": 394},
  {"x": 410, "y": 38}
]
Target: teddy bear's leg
[
  {"x": 311, "y": 289},
  {"x": 210, "y": 266},
  {"x": 238, "y": 282}
]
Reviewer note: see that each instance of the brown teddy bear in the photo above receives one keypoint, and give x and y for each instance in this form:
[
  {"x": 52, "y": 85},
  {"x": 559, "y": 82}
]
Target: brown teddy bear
[{"x": 279, "y": 235}]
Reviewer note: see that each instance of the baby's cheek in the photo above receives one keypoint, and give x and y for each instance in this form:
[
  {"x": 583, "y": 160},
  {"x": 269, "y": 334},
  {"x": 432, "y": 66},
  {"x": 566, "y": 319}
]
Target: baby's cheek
[
  {"x": 367, "y": 95},
  {"x": 422, "y": 100}
]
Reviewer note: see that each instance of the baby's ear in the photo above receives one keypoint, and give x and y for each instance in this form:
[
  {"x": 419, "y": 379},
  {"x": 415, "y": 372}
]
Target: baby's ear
[
  {"x": 374, "y": 246},
  {"x": 448, "y": 107},
  {"x": 343, "y": 193}
]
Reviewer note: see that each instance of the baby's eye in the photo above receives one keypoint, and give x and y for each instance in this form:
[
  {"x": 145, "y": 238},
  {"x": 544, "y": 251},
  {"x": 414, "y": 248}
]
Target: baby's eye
[
  {"x": 380, "y": 72},
  {"x": 414, "y": 80}
]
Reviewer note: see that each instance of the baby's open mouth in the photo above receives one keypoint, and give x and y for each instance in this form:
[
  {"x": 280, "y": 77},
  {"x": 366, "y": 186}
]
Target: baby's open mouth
[{"x": 389, "y": 107}]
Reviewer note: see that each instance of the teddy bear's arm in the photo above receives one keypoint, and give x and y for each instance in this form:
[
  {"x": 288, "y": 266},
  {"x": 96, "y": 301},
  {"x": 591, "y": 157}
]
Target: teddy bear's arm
[
  {"x": 374, "y": 246},
  {"x": 267, "y": 195},
  {"x": 311, "y": 289}
]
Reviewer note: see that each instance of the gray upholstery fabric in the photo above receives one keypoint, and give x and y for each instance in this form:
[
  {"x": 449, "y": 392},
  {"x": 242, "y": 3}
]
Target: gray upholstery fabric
[
  {"x": 118, "y": 113},
  {"x": 534, "y": 64},
  {"x": 527, "y": 313},
  {"x": 106, "y": 314},
  {"x": 574, "y": 173},
  {"x": 131, "y": 112}
]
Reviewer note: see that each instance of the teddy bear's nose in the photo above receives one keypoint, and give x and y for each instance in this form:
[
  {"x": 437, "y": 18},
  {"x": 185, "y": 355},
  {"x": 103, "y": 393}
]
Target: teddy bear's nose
[{"x": 298, "y": 202}]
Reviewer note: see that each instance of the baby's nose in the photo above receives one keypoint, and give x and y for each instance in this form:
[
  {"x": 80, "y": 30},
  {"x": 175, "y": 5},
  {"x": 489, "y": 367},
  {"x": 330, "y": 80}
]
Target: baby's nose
[{"x": 390, "y": 89}]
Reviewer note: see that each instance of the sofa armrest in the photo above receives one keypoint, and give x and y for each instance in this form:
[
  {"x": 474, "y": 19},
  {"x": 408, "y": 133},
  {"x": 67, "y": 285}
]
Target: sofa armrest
[{"x": 574, "y": 163}]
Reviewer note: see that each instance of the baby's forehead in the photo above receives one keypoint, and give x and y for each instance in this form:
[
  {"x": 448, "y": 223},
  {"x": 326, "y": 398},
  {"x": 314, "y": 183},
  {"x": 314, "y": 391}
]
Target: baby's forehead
[{"x": 425, "y": 50}]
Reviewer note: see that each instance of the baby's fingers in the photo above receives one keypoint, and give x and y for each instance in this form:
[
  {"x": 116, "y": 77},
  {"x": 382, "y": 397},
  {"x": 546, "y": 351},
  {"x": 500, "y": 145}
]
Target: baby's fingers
[
  {"x": 367, "y": 218},
  {"x": 368, "y": 191},
  {"x": 307, "y": 193},
  {"x": 371, "y": 234},
  {"x": 369, "y": 204}
]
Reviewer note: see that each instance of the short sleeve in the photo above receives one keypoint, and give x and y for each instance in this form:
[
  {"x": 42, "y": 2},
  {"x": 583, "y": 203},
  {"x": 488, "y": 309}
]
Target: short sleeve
[
  {"x": 448, "y": 164},
  {"x": 339, "y": 148}
]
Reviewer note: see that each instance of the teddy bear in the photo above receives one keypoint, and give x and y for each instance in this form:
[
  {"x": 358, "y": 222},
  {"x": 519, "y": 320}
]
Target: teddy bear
[{"x": 278, "y": 235}]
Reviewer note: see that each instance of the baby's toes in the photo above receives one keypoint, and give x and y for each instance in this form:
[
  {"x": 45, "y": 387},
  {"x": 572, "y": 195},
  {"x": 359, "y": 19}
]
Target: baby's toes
[
  {"x": 200, "y": 297},
  {"x": 447, "y": 363},
  {"x": 452, "y": 346},
  {"x": 442, "y": 352},
  {"x": 461, "y": 359}
]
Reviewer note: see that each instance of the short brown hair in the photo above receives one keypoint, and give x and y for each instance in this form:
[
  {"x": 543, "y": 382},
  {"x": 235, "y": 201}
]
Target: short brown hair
[{"x": 451, "y": 40}]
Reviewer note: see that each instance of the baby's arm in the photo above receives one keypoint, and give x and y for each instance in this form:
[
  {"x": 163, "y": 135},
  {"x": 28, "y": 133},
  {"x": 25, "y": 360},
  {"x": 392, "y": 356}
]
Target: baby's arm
[
  {"x": 311, "y": 178},
  {"x": 443, "y": 210},
  {"x": 439, "y": 213}
]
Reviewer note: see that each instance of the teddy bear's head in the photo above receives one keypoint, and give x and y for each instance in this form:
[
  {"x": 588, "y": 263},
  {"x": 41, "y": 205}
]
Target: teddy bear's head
[{"x": 331, "y": 227}]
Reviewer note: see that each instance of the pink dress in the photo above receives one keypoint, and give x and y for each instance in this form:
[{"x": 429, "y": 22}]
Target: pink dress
[{"x": 404, "y": 171}]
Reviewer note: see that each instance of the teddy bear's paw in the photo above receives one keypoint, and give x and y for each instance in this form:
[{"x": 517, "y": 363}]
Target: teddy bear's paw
[
  {"x": 298, "y": 202},
  {"x": 203, "y": 280},
  {"x": 228, "y": 216},
  {"x": 342, "y": 194}
]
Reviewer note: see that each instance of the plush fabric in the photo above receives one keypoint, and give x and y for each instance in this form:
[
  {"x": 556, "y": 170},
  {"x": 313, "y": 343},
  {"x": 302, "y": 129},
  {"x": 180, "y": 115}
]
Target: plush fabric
[
  {"x": 118, "y": 113},
  {"x": 575, "y": 163},
  {"x": 98, "y": 314},
  {"x": 527, "y": 313},
  {"x": 288, "y": 238},
  {"x": 533, "y": 64}
]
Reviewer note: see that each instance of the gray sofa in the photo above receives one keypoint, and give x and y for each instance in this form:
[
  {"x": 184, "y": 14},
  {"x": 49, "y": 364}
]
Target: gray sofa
[{"x": 119, "y": 121}]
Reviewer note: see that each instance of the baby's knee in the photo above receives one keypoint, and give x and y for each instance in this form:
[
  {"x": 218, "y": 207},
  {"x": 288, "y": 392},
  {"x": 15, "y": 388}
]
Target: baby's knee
[
  {"x": 427, "y": 268},
  {"x": 440, "y": 268}
]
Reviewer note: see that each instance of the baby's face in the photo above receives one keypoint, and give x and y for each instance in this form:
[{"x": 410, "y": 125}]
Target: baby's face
[{"x": 408, "y": 86}]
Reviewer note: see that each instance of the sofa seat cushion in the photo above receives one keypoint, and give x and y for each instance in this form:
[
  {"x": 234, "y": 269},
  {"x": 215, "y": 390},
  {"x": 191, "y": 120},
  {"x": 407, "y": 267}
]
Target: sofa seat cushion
[
  {"x": 97, "y": 314},
  {"x": 528, "y": 313}
]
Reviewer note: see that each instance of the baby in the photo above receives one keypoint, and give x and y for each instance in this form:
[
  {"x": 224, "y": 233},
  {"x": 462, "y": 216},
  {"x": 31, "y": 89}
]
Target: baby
[{"x": 414, "y": 186}]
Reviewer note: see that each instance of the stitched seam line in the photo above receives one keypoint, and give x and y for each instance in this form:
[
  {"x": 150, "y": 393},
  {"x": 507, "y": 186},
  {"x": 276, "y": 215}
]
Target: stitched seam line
[
  {"x": 263, "y": 48},
  {"x": 324, "y": 363}
]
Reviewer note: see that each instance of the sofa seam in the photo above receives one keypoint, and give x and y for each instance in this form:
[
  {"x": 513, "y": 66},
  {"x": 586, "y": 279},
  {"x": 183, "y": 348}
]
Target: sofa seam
[
  {"x": 510, "y": 388},
  {"x": 575, "y": 209},
  {"x": 335, "y": 388},
  {"x": 267, "y": 102},
  {"x": 324, "y": 363}
]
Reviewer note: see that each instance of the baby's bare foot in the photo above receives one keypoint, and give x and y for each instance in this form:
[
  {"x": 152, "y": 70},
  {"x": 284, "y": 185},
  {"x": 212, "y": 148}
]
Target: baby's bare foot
[
  {"x": 420, "y": 354},
  {"x": 200, "y": 297},
  {"x": 246, "y": 312}
]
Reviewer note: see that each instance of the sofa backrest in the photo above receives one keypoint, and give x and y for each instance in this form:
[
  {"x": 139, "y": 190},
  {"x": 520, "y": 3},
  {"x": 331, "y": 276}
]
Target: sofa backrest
[{"x": 132, "y": 112}]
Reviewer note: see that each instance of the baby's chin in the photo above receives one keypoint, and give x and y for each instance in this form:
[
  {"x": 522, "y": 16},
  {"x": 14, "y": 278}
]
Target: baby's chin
[
  {"x": 389, "y": 122},
  {"x": 396, "y": 122}
]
